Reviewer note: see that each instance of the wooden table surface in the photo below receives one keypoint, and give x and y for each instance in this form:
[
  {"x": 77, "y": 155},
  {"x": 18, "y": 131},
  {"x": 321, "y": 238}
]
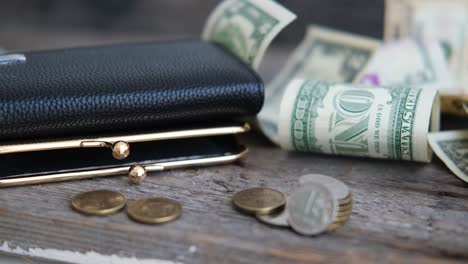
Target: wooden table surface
[{"x": 403, "y": 212}]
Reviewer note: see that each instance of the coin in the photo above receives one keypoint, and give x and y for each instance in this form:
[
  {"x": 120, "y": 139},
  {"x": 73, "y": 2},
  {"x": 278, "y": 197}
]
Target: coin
[
  {"x": 333, "y": 227},
  {"x": 277, "y": 219},
  {"x": 99, "y": 202},
  {"x": 343, "y": 213},
  {"x": 338, "y": 188},
  {"x": 156, "y": 210},
  {"x": 311, "y": 209},
  {"x": 337, "y": 223},
  {"x": 346, "y": 207},
  {"x": 259, "y": 200},
  {"x": 347, "y": 201},
  {"x": 342, "y": 218}
]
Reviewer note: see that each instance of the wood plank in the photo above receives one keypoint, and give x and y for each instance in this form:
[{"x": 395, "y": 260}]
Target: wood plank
[{"x": 404, "y": 212}]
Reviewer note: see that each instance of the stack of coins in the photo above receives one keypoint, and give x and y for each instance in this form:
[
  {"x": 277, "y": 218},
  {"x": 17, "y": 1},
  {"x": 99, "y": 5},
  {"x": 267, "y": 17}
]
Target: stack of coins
[
  {"x": 156, "y": 210},
  {"x": 340, "y": 192},
  {"x": 320, "y": 204}
]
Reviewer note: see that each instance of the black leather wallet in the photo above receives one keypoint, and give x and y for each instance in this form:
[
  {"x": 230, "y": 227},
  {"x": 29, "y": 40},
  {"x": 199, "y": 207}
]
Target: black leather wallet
[{"x": 171, "y": 102}]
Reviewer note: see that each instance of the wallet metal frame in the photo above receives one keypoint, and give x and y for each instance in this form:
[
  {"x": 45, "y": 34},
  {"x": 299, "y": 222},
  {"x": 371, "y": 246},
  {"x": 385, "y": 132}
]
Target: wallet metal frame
[{"x": 105, "y": 141}]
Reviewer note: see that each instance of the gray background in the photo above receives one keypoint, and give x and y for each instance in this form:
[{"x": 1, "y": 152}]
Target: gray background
[{"x": 42, "y": 24}]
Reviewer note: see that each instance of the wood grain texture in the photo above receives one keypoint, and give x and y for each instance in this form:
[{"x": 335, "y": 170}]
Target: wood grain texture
[{"x": 404, "y": 212}]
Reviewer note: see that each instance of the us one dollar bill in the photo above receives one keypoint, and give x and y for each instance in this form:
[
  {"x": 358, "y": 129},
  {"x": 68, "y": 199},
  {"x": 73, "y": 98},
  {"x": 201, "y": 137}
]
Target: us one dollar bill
[
  {"x": 324, "y": 54},
  {"x": 413, "y": 62},
  {"x": 358, "y": 120},
  {"x": 247, "y": 27},
  {"x": 443, "y": 21},
  {"x": 452, "y": 148}
]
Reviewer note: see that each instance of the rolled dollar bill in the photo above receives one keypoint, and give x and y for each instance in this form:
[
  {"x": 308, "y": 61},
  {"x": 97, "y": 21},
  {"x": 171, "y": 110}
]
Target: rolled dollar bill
[
  {"x": 358, "y": 120},
  {"x": 324, "y": 54}
]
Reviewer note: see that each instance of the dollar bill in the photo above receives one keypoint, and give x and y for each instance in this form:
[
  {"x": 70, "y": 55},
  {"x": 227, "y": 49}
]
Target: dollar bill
[
  {"x": 452, "y": 148},
  {"x": 246, "y": 27},
  {"x": 358, "y": 120},
  {"x": 443, "y": 21},
  {"x": 411, "y": 62},
  {"x": 324, "y": 54}
]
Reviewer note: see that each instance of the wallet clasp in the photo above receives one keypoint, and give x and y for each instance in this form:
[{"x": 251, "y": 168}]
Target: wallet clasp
[{"x": 120, "y": 149}]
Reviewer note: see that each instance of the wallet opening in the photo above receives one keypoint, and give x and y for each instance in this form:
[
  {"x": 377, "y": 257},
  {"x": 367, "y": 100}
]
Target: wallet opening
[{"x": 32, "y": 163}]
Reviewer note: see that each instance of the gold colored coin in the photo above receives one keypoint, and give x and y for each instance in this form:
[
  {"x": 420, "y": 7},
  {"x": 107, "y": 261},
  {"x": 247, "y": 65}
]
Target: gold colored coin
[
  {"x": 260, "y": 201},
  {"x": 342, "y": 219},
  {"x": 333, "y": 227},
  {"x": 155, "y": 210},
  {"x": 346, "y": 201},
  {"x": 345, "y": 207},
  {"x": 99, "y": 202},
  {"x": 337, "y": 223},
  {"x": 343, "y": 214}
]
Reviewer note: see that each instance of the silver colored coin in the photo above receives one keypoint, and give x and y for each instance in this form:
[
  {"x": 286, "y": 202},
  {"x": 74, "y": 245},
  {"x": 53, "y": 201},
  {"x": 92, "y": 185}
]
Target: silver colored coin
[
  {"x": 278, "y": 219},
  {"x": 311, "y": 209},
  {"x": 338, "y": 188}
]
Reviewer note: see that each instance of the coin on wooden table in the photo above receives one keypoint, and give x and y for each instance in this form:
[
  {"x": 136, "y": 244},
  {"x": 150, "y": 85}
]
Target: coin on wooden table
[
  {"x": 348, "y": 201},
  {"x": 339, "y": 190},
  {"x": 259, "y": 201},
  {"x": 339, "y": 221},
  {"x": 156, "y": 210},
  {"x": 311, "y": 209},
  {"x": 345, "y": 207},
  {"x": 99, "y": 202},
  {"x": 343, "y": 213},
  {"x": 276, "y": 219},
  {"x": 341, "y": 218},
  {"x": 333, "y": 227}
]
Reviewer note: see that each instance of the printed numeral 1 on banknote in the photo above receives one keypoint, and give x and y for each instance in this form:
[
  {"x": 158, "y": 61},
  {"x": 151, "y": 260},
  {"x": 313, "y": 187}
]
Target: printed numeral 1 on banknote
[
  {"x": 358, "y": 120},
  {"x": 247, "y": 27},
  {"x": 452, "y": 148}
]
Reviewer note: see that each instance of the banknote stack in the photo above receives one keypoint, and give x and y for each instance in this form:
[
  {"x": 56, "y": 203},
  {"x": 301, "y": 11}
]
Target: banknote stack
[
  {"x": 345, "y": 94},
  {"x": 321, "y": 204}
]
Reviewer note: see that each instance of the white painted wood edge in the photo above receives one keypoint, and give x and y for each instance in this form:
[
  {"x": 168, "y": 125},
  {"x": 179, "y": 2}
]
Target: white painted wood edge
[{"x": 79, "y": 257}]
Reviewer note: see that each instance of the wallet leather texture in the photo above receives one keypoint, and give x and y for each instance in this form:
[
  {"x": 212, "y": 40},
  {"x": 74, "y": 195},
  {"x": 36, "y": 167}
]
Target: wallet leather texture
[{"x": 79, "y": 91}]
